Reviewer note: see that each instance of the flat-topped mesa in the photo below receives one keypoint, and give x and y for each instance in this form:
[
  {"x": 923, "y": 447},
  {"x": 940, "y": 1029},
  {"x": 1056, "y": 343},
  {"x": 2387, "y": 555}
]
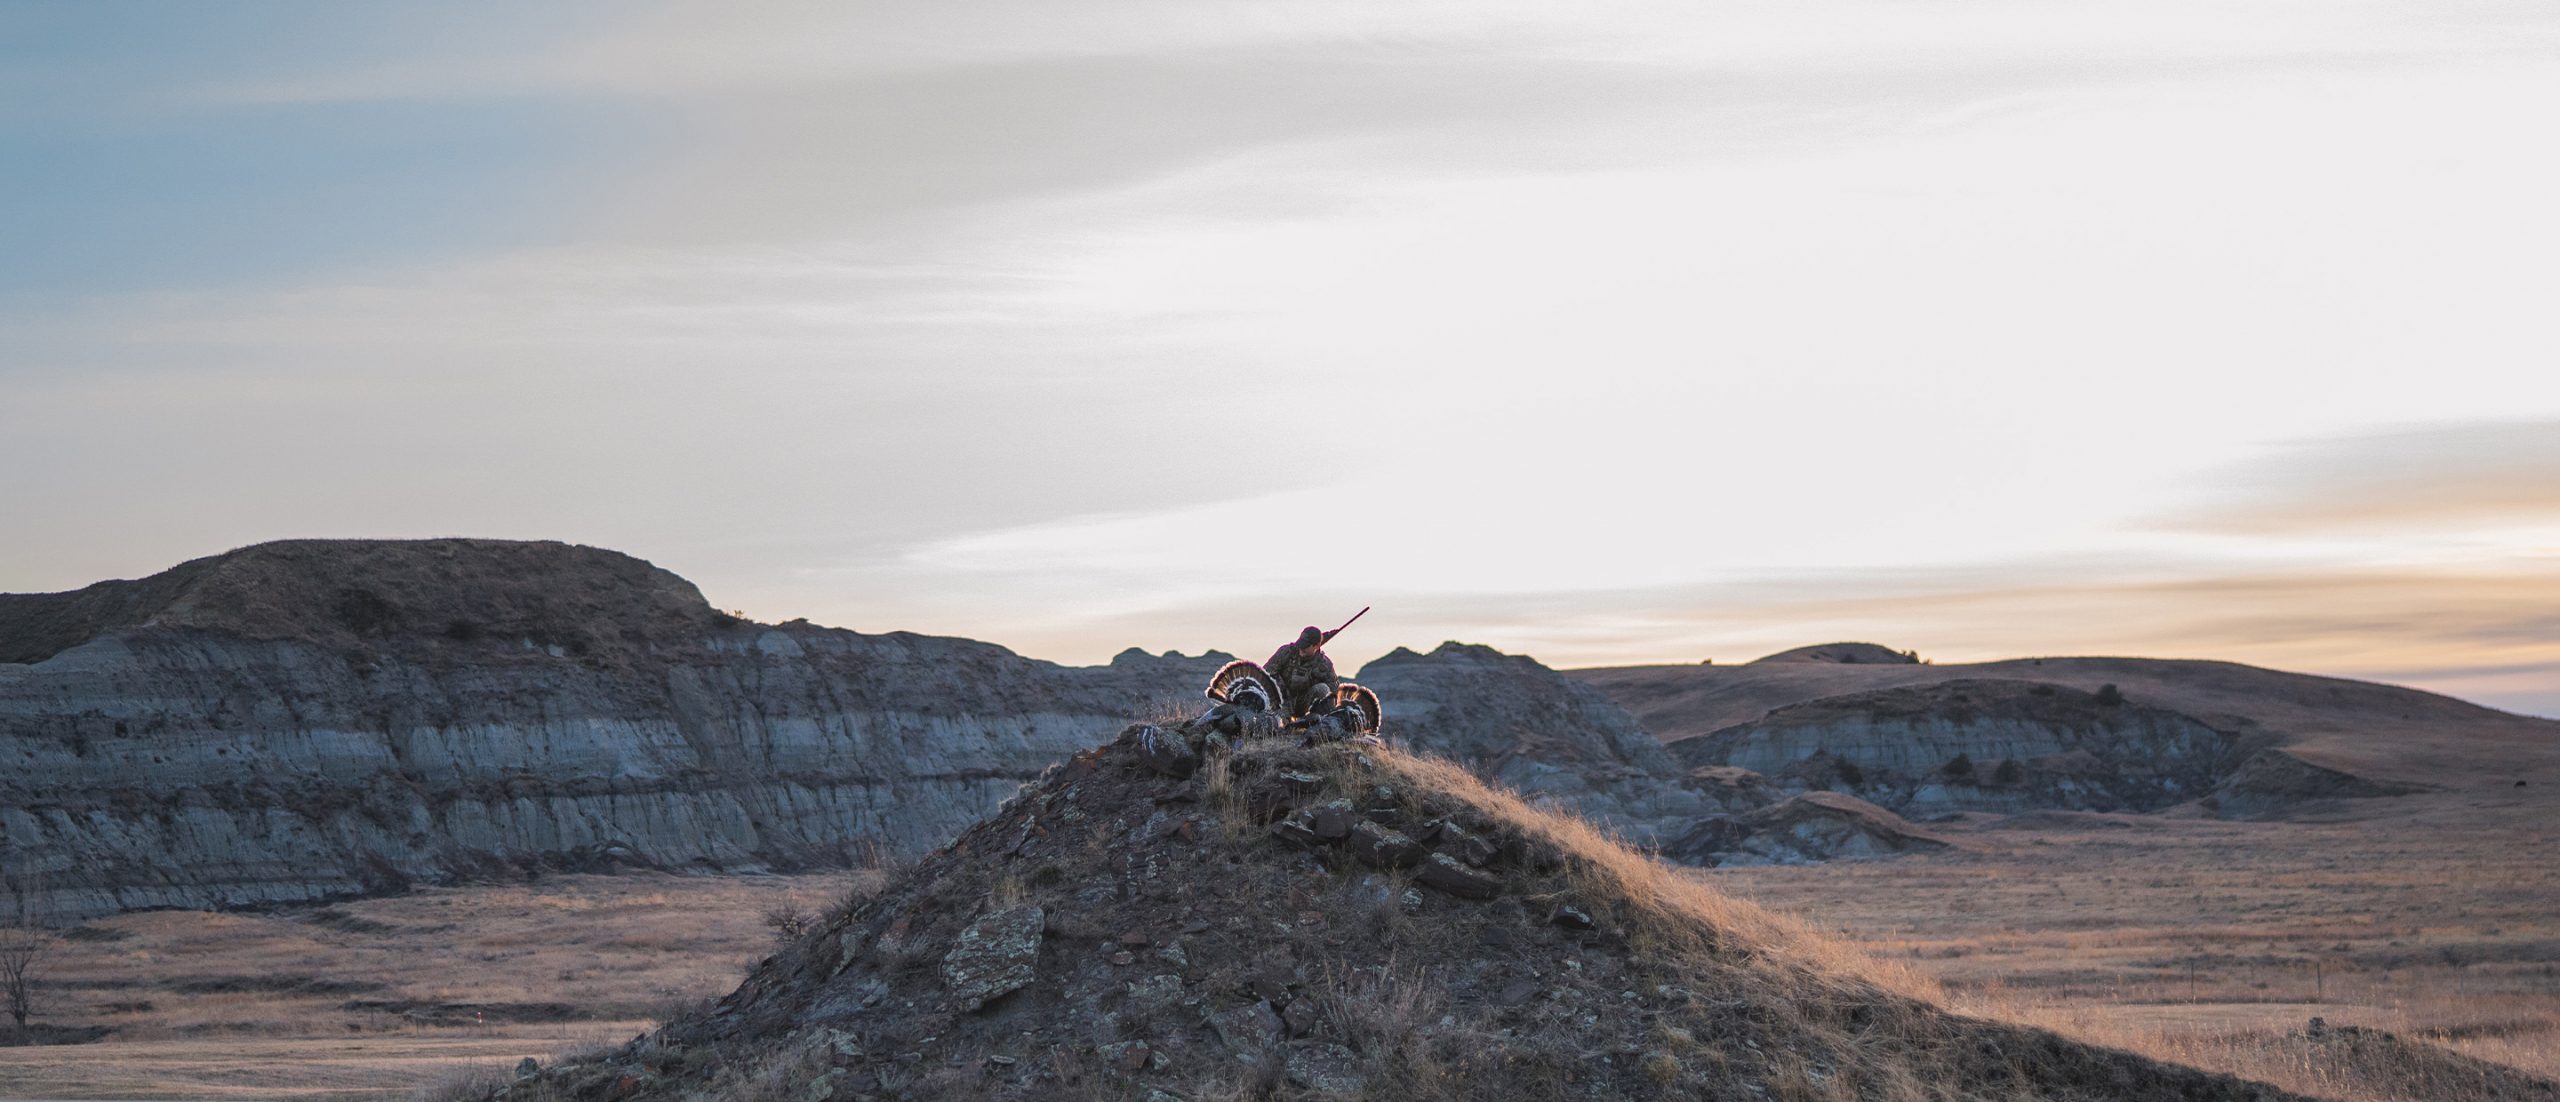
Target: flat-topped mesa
[
  {"x": 487, "y": 595},
  {"x": 1336, "y": 921}
]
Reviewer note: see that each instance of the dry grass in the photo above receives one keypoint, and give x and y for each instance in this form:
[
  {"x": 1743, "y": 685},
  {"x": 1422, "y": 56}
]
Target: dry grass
[
  {"x": 1834, "y": 999},
  {"x": 376, "y": 1067},
  {"x": 2202, "y": 943},
  {"x": 2214, "y": 943},
  {"x": 1686, "y": 912},
  {"x": 379, "y": 995}
]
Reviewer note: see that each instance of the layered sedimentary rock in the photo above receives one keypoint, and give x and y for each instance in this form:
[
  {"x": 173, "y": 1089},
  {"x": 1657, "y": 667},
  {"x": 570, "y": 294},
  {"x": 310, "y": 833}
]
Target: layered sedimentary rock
[
  {"x": 304, "y": 720},
  {"x": 1989, "y": 745}
]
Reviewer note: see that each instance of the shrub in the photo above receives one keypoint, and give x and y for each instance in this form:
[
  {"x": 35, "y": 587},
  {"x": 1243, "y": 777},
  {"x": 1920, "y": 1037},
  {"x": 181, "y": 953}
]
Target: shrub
[{"x": 790, "y": 922}]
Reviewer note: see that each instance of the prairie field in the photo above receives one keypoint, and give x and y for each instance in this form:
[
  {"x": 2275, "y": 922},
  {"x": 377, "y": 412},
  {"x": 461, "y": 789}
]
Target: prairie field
[
  {"x": 371, "y": 998},
  {"x": 2216, "y": 943}
]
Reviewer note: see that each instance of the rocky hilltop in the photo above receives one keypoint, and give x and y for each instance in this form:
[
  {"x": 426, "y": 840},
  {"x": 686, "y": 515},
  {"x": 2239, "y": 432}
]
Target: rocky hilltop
[
  {"x": 1338, "y": 922},
  {"x": 302, "y": 720}
]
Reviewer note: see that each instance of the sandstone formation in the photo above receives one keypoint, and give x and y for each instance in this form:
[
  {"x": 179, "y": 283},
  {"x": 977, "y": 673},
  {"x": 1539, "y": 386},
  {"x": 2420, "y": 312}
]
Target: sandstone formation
[{"x": 303, "y": 720}]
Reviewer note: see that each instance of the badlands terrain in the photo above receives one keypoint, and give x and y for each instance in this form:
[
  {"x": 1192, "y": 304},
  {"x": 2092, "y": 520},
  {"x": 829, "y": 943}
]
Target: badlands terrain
[{"x": 340, "y": 818}]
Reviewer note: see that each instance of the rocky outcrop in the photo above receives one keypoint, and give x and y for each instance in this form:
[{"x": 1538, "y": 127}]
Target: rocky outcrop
[
  {"x": 2272, "y": 783},
  {"x": 1547, "y": 736},
  {"x": 1990, "y": 745},
  {"x": 1801, "y": 830},
  {"x": 1126, "y": 934},
  {"x": 302, "y": 721}
]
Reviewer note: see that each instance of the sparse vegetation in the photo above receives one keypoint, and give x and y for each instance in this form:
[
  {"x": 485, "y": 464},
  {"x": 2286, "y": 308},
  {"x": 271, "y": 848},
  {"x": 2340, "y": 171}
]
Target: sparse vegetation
[
  {"x": 789, "y": 921},
  {"x": 2214, "y": 944},
  {"x": 374, "y": 997},
  {"x": 24, "y": 942}
]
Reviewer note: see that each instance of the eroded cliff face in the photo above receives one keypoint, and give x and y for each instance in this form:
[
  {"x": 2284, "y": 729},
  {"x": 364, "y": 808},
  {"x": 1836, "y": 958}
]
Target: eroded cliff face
[
  {"x": 1980, "y": 745},
  {"x": 363, "y": 731}
]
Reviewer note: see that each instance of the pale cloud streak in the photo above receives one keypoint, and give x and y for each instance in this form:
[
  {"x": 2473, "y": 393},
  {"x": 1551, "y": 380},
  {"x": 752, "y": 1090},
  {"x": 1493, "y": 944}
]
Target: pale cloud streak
[{"x": 2490, "y": 474}]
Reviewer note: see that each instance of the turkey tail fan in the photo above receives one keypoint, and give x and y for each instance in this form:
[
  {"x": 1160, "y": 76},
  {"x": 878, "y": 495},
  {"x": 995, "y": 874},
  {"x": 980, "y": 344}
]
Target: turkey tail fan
[
  {"x": 1361, "y": 699},
  {"x": 1244, "y": 685}
]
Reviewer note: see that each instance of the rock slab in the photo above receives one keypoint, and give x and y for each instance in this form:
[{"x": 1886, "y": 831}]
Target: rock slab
[{"x": 996, "y": 956}]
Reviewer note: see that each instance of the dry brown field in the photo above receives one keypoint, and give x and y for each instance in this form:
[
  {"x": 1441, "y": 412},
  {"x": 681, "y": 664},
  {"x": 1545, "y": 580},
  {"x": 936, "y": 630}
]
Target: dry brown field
[
  {"x": 2215, "y": 943},
  {"x": 372, "y": 998}
]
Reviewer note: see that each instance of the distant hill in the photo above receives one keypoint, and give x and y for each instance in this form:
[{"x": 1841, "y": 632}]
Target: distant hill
[
  {"x": 2383, "y": 734},
  {"x": 1845, "y": 654}
]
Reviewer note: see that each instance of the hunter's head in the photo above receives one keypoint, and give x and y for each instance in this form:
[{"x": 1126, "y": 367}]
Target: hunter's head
[{"x": 1312, "y": 637}]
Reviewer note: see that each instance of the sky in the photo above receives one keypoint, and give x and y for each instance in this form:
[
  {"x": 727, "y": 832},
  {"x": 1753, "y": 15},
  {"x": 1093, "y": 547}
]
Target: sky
[{"x": 1610, "y": 333}]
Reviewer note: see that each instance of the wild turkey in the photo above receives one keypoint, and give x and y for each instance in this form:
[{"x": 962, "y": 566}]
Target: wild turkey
[
  {"x": 1244, "y": 685},
  {"x": 1246, "y": 699},
  {"x": 1353, "y": 711}
]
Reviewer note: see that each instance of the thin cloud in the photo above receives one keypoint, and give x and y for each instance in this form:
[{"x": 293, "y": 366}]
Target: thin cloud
[{"x": 2484, "y": 473}]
